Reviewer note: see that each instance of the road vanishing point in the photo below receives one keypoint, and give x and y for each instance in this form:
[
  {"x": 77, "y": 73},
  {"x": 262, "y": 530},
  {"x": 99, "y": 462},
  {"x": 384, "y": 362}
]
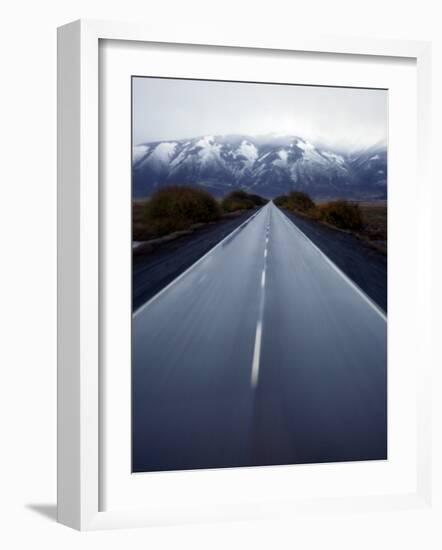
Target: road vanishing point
[{"x": 261, "y": 353}]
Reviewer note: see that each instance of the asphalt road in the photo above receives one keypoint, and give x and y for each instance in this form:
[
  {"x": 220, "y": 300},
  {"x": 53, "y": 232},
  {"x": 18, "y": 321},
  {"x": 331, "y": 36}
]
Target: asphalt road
[
  {"x": 155, "y": 270},
  {"x": 262, "y": 353},
  {"x": 365, "y": 265}
]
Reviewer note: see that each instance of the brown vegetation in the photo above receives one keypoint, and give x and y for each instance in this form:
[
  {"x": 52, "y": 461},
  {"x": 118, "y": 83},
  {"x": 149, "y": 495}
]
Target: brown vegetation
[
  {"x": 178, "y": 209},
  {"x": 240, "y": 200},
  {"x": 341, "y": 214},
  {"x": 175, "y": 208},
  {"x": 366, "y": 220},
  {"x": 375, "y": 222}
]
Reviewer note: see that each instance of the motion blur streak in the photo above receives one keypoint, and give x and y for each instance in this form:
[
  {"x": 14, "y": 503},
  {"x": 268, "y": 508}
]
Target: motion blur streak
[{"x": 322, "y": 390}]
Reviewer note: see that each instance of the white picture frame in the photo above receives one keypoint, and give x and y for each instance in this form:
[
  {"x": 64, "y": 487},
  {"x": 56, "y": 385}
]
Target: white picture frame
[{"x": 79, "y": 266}]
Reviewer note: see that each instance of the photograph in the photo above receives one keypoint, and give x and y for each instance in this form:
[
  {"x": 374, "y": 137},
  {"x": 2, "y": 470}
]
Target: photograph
[{"x": 259, "y": 274}]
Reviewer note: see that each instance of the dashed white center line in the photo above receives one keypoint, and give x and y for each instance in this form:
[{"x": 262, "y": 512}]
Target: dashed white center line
[
  {"x": 263, "y": 278},
  {"x": 258, "y": 333},
  {"x": 256, "y": 355}
]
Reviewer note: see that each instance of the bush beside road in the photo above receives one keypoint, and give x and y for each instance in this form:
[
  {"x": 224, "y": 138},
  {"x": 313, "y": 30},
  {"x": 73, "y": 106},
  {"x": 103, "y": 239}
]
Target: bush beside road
[
  {"x": 365, "y": 220},
  {"x": 177, "y": 210}
]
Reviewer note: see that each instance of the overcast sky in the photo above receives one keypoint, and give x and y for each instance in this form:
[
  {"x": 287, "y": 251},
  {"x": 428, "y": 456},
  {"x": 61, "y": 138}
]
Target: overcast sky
[{"x": 167, "y": 109}]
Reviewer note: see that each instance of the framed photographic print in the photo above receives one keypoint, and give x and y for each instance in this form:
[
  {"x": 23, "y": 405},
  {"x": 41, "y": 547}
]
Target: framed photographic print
[{"x": 242, "y": 299}]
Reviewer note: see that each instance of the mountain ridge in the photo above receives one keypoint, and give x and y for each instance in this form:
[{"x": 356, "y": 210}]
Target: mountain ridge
[{"x": 267, "y": 165}]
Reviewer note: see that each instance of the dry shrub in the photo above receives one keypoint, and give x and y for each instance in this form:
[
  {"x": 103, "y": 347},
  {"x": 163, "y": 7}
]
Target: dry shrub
[
  {"x": 240, "y": 200},
  {"x": 281, "y": 201},
  {"x": 178, "y": 207},
  {"x": 299, "y": 202},
  {"x": 342, "y": 214}
]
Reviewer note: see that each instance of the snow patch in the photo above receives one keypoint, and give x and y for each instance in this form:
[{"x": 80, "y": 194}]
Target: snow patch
[
  {"x": 249, "y": 151},
  {"x": 263, "y": 157},
  {"x": 163, "y": 152},
  {"x": 305, "y": 145},
  {"x": 139, "y": 151},
  {"x": 206, "y": 141},
  {"x": 334, "y": 157},
  {"x": 282, "y": 160},
  {"x": 181, "y": 157},
  {"x": 310, "y": 154},
  {"x": 209, "y": 149},
  {"x": 283, "y": 156}
]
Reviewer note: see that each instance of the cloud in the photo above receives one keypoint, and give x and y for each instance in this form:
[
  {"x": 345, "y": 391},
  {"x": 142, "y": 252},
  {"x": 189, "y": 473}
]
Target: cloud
[{"x": 168, "y": 109}]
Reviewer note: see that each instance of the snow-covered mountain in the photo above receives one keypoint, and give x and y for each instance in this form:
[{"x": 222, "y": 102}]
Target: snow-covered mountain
[{"x": 266, "y": 165}]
